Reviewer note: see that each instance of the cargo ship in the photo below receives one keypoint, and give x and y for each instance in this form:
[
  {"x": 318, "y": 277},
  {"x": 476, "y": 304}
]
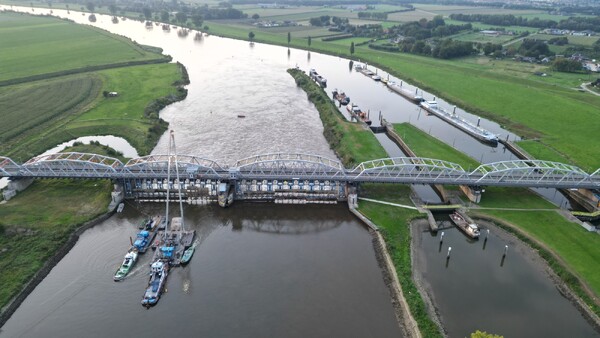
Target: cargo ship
[{"x": 474, "y": 130}]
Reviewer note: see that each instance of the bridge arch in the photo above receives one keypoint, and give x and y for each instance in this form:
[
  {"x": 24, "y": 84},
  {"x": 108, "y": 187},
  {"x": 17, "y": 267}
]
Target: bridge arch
[
  {"x": 8, "y": 167},
  {"x": 530, "y": 171},
  {"x": 290, "y": 165},
  {"x": 394, "y": 168},
  {"x": 155, "y": 166},
  {"x": 84, "y": 164}
]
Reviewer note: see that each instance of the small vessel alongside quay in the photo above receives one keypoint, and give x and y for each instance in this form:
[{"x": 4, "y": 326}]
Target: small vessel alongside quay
[
  {"x": 318, "y": 78},
  {"x": 474, "y": 130},
  {"x": 405, "y": 92},
  {"x": 358, "y": 114},
  {"x": 341, "y": 97},
  {"x": 470, "y": 229}
]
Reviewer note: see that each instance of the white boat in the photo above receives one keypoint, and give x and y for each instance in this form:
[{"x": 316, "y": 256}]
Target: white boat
[
  {"x": 120, "y": 207},
  {"x": 376, "y": 77},
  {"x": 471, "y": 229},
  {"x": 128, "y": 262},
  {"x": 459, "y": 122}
]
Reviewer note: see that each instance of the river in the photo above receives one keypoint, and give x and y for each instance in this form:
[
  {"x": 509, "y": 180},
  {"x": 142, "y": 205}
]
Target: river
[{"x": 260, "y": 270}]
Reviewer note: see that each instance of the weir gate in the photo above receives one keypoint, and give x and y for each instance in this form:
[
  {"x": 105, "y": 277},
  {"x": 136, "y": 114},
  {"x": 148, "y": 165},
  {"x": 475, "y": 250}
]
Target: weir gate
[{"x": 287, "y": 178}]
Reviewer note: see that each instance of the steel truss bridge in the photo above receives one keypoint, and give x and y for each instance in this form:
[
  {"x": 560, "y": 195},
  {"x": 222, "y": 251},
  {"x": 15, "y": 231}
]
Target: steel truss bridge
[{"x": 301, "y": 167}]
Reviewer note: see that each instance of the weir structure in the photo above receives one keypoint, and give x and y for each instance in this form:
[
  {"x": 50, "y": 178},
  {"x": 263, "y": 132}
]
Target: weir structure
[{"x": 289, "y": 178}]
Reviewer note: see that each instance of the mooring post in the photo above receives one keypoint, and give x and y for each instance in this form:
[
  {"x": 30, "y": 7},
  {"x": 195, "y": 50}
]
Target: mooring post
[
  {"x": 442, "y": 237},
  {"x": 505, "y": 250},
  {"x": 448, "y": 254}
]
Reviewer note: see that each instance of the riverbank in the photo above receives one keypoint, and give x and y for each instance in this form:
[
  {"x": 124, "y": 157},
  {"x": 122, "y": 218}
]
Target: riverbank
[
  {"x": 342, "y": 137},
  {"x": 39, "y": 276}
]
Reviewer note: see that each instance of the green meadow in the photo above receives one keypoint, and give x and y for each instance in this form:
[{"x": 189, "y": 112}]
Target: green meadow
[{"x": 42, "y": 45}]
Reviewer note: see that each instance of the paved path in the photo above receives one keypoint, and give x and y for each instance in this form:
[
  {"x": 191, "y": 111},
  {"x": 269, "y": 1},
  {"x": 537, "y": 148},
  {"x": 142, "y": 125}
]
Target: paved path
[
  {"x": 584, "y": 86},
  {"x": 388, "y": 203}
]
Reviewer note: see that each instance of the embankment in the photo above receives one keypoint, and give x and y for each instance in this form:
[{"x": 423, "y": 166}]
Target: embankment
[{"x": 14, "y": 304}]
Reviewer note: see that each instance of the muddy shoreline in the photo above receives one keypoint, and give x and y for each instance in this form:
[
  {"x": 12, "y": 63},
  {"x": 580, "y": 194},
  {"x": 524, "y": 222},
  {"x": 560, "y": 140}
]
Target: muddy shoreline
[
  {"x": 39, "y": 276},
  {"x": 417, "y": 227}
]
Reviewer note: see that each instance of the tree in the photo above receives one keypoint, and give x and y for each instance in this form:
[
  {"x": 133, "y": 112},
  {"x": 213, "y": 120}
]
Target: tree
[
  {"x": 90, "y": 6},
  {"x": 197, "y": 20},
  {"x": 147, "y": 13},
  {"x": 352, "y": 47},
  {"x": 255, "y": 16},
  {"x": 164, "y": 16},
  {"x": 251, "y": 36},
  {"x": 309, "y": 41},
  {"x": 181, "y": 17},
  {"x": 112, "y": 8},
  {"x": 483, "y": 334},
  {"x": 566, "y": 65},
  {"x": 289, "y": 38}
]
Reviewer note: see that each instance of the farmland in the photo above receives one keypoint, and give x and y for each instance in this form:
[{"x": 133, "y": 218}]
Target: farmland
[{"x": 46, "y": 45}]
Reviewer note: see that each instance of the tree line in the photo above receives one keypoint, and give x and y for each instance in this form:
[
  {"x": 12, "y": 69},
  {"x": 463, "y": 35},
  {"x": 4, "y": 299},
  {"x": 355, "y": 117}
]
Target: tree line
[{"x": 572, "y": 23}]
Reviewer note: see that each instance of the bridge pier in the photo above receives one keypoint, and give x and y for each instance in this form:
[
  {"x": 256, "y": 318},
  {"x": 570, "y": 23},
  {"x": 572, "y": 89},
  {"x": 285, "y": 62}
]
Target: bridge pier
[
  {"x": 473, "y": 193},
  {"x": 15, "y": 186}
]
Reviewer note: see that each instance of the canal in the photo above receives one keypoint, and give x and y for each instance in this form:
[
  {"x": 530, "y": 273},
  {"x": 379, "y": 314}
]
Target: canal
[{"x": 260, "y": 269}]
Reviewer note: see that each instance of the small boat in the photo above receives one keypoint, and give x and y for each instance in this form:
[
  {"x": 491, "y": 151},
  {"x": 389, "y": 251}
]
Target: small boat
[
  {"x": 187, "y": 254},
  {"x": 158, "y": 278},
  {"x": 376, "y": 77},
  {"x": 470, "y": 229},
  {"x": 121, "y": 207},
  {"x": 341, "y": 97},
  {"x": 358, "y": 114},
  {"x": 241, "y": 116},
  {"x": 128, "y": 262}
]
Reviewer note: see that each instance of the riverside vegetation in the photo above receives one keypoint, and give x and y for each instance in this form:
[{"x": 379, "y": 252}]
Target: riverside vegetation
[{"x": 53, "y": 92}]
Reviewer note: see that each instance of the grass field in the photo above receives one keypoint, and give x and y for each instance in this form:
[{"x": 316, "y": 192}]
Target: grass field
[
  {"x": 449, "y": 9},
  {"x": 424, "y": 145},
  {"x": 40, "y": 45},
  {"x": 120, "y": 116},
  {"x": 573, "y": 40},
  {"x": 30, "y": 107},
  {"x": 479, "y": 37}
]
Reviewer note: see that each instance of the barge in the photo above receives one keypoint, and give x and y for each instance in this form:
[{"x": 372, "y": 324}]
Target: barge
[
  {"x": 475, "y": 131},
  {"x": 405, "y": 92}
]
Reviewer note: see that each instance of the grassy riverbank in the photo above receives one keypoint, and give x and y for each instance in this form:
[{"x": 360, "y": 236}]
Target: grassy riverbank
[
  {"x": 38, "y": 221},
  {"x": 428, "y": 146},
  {"x": 393, "y": 223},
  {"x": 352, "y": 143}
]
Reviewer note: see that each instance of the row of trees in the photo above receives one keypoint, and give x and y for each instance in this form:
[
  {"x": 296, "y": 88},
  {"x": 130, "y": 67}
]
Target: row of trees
[
  {"x": 578, "y": 23},
  {"x": 373, "y": 15}
]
